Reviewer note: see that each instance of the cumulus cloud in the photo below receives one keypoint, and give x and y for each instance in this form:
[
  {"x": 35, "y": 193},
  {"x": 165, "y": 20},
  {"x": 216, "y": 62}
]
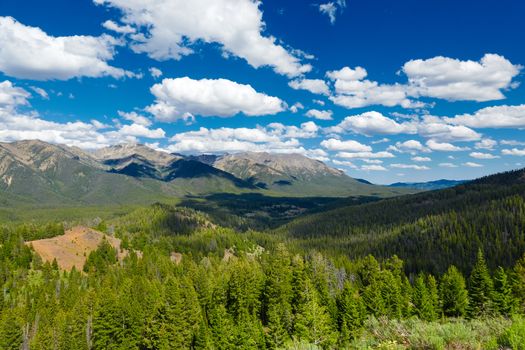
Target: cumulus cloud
[
  {"x": 29, "y": 53},
  {"x": 354, "y": 91},
  {"x": 315, "y": 86},
  {"x": 344, "y": 163},
  {"x": 364, "y": 155},
  {"x": 348, "y": 145},
  {"x": 139, "y": 130},
  {"x": 12, "y": 96},
  {"x": 182, "y": 98},
  {"x": 421, "y": 159},
  {"x": 447, "y": 165},
  {"x": 513, "y": 152},
  {"x": 135, "y": 118},
  {"x": 167, "y": 29},
  {"x": 453, "y": 79},
  {"x": 410, "y": 146},
  {"x": 438, "y": 77},
  {"x": 512, "y": 143},
  {"x": 296, "y": 107},
  {"x": 111, "y": 25},
  {"x": 487, "y": 144},
  {"x": 409, "y": 166},
  {"x": 40, "y": 92},
  {"x": 492, "y": 117},
  {"x": 155, "y": 72},
  {"x": 275, "y": 137},
  {"x": 472, "y": 165},
  {"x": 373, "y": 167},
  {"x": 481, "y": 155},
  {"x": 372, "y": 123},
  {"x": 444, "y": 146},
  {"x": 317, "y": 114},
  {"x": 435, "y": 128},
  {"x": 21, "y": 124}
]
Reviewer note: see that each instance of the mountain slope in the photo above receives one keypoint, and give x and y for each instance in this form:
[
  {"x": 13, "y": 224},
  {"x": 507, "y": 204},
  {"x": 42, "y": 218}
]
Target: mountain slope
[
  {"x": 448, "y": 225},
  {"x": 294, "y": 174}
]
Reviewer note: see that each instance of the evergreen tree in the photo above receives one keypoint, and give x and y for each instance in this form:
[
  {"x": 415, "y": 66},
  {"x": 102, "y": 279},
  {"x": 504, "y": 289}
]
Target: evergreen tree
[
  {"x": 481, "y": 288},
  {"x": 351, "y": 313},
  {"x": 503, "y": 297},
  {"x": 454, "y": 295},
  {"x": 312, "y": 321}
]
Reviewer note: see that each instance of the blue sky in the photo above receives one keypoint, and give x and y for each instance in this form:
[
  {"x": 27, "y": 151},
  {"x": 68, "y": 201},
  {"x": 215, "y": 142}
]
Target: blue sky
[{"x": 389, "y": 91}]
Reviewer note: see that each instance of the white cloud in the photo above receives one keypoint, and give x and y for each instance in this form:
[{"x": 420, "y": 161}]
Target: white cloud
[
  {"x": 383, "y": 140},
  {"x": 453, "y": 79},
  {"x": 513, "y": 152},
  {"x": 409, "y": 166},
  {"x": 296, "y": 107},
  {"x": 434, "y": 128},
  {"x": 315, "y": 86},
  {"x": 167, "y": 29},
  {"x": 372, "y": 123},
  {"x": 481, "y": 155},
  {"x": 275, "y": 137},
  {"x": 41, "y": 92},
  {"x": 447, "y": 165},
  {"x": 421, "y": 159},
  {"x": 444, "y": 146},
  {"x": 487, "y": 144},
  {"x": 29, "y": 53},
  {"x": 372, "y": 161},
  {"x": 331, "y": 8},
  {"x": 410, "y": 146},
  {"x": 138, "y": 130},
  {"x": 472, "y": 165},
  {"x": 344, "y": 163},
  {"x": 373, "y": 168},
  {"x": 11, "y": 96},
  {"x": 319, "y": 102},
  {"x": 317, "y": 114},
  {"x": 135, "y": 118},
  {"x": 181, "y": 98},
  {"x": 512, "y": 143},
  {"x": 110, "y": 25},
  {"x": 155, "y": 72},
  {"x": 492, "y": 117},
  {"x": 353, "y": 91},
  {"x": 366, "y": 155},
  {"x": 348, "y": 145}
]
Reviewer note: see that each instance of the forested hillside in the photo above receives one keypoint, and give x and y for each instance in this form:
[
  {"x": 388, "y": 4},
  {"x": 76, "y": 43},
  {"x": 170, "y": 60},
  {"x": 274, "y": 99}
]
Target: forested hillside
[
  {"x": 429, "y": 230},
  {"x": 197, "y": 285}
]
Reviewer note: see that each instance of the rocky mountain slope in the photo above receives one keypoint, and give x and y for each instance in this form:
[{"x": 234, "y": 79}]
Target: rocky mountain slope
[{"x": 39, "y": 173}]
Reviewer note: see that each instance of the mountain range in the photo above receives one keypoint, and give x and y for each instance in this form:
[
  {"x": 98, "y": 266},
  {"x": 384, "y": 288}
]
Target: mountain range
[
  {"x": 39, "y": 173},
  {"x": 430, "y": 185}
]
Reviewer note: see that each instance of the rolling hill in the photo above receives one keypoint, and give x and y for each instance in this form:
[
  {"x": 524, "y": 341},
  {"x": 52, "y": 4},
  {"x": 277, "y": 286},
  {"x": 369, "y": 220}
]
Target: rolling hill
[{"x": 444, "y": 224}]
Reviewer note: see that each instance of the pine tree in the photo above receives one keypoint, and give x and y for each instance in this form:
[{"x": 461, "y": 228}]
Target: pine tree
[
  {"x": 351, "y": 313},
  {"x": 312, "y": 321},
  {"x": 481, "y": 288},
  {"x": 434, "y": 296},
  {"x": 423, "y": 305},
  {"x": 503, "y": 297},
  {"x": 454, "y": 295}
]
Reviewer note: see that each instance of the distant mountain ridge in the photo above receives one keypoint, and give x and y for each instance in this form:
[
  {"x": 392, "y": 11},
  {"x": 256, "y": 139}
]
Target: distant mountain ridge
[
  {"x": 36, "y": 172},
  {"x": 430, "y": 185}
]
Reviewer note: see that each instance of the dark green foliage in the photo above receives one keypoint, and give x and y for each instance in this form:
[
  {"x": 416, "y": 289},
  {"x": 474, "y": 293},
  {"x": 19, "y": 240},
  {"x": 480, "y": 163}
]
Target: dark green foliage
[
  {"x": 100, "y": 259},
  {"x": 481, "y": 289},
  {"x": 454, "y": 295},
  {"x": 503, "y": 297}
]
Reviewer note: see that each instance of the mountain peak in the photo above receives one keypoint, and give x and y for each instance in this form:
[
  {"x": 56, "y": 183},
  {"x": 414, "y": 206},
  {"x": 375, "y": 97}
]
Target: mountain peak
[{"x": 131, "y": 149}]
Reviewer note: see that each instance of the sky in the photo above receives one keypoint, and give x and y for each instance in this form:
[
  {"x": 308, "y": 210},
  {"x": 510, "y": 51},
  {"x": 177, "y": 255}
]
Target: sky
[{"x": 388, "y": 91}]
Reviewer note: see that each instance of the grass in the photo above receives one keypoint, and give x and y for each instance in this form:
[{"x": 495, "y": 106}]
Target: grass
[{"x": 486, "y": 334}]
